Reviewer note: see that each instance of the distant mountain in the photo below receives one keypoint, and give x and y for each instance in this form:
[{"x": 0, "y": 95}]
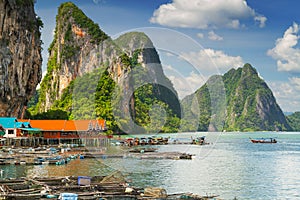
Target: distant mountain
[
  {"x": 90, "y": 76},
  {"x": 240, "y": 101},
  {"x": 294, "y": 121}
]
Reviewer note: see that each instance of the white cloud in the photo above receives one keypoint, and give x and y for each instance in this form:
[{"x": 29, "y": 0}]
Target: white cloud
[
  {"x": 213, "y": 36},
  {"x": 168, "y": 68},
  {"x": 285, "y": 51},
  {"x": 99, "y": 1},
  {"x": 295, "y": 82},
  {"x": 205, "y": 14},
  {"x": 212, "y": 60},
  {"x": 184, "y": 85},
  {"x": 287, "y": 94},
  {"x": 200, "y": 35},
  {"x": 196, "y": 80},
  {"x": 169, "y": 54},
  {"x": 262, "y": 20}
]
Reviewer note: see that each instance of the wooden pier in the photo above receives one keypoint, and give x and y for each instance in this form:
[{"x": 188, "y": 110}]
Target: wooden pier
[
  {"x": 40, "y": 141},
  {"x": 60, "y": 155}
]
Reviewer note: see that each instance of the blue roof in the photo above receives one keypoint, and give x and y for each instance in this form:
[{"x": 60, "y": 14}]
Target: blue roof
[
  {"x": 23, "y": 125},
  {"x": 8, "y": 122},
  {"x": 12, "y": 122},
  {"x": 31, "y": 129}
]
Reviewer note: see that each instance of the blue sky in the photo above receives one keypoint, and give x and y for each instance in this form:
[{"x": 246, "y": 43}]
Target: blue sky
[{"x": 219, "y": 34}]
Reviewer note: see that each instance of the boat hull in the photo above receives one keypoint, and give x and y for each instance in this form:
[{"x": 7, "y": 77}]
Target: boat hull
[{"x": 263, "y": 141}]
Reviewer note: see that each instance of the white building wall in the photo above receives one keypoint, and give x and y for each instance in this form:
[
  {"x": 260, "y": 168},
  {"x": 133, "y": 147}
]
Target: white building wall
[{"x": 10, "y": 133}]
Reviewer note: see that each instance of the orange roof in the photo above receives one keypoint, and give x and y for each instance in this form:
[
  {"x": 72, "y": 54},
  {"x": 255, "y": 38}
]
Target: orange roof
[{"x": 66, "y": 125}]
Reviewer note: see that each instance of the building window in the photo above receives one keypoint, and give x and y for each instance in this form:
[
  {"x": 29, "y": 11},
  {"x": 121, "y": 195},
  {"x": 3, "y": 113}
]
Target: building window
[{"x": 11, "y": 132}]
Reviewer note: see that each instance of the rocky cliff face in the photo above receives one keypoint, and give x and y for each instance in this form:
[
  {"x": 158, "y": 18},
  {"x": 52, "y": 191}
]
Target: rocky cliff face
[
  {"x": 77, "y": 48},
  {"x": 249, "y": 104},
  {"x": 146, "y": 69},
  {"x": 20, "y": 55},
  {"x": 80, "y": 47}
]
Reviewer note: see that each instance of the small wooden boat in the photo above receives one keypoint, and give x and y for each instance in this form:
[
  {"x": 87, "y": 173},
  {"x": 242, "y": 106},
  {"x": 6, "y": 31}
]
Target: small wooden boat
[
  {"x": 199, "y": 140},
  {"x": 264, "y": 140}
]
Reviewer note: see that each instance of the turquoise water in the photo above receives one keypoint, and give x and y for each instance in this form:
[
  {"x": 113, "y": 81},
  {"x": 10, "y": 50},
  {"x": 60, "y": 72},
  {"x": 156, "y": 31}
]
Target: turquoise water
[{"x": 231, "y": 166}]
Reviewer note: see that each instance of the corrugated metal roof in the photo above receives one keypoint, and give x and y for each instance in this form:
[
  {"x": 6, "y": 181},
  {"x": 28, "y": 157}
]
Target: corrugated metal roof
[
  {"x": 31, "y": 129},
  {"x": 66, "y": 125},
  {"x": 8, "y": 122}
]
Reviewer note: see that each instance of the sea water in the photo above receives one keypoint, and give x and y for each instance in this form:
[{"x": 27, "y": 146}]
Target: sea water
[{"x": 230, "y": 166}]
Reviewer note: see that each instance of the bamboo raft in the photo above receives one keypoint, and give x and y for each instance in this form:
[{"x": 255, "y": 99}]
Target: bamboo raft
[
  {"x": 36, "y": 159},
  {"x": 112, "y": 186},
  {"x": 161, "y": 155},
  {"x": 65, "y": 158},
  {"x": 142, "y": 155}
]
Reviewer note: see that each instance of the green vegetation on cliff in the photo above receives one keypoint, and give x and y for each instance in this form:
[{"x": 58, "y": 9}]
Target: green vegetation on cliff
[
  {"x": 122, "y": 81},
  {"x": 104, "y": 98},
  {"x": 69, "y": 10},
  {"x": 64, "y": 49},
  {"x": 249, "y": 104},
  {"x": 153, "y": 106},
  {"x": 90, "y": 94},
  {"x": 294, "y": 121}
]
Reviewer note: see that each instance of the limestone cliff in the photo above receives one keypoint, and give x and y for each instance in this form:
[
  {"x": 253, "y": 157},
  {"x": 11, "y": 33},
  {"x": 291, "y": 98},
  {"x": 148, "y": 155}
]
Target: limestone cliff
[
  {"x": 146, "y": 69},
  {"x": 83, "y": 63},
  {"x": 20, "y": 55},
  {"x": 77, "y": 48},
  {"x": 249, "y": 104}
]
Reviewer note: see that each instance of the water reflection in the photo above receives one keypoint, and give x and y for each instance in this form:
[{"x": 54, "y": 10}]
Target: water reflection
[
  {"x": 13, "y": 171},
  {"x": 231, "y": 167}
]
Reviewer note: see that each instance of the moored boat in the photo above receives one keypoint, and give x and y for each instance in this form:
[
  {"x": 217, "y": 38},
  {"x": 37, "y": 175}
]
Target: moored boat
[{"x": 264, "y": 140}]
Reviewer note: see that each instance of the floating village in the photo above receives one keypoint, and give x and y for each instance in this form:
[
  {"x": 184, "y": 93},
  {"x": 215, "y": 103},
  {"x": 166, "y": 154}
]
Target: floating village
[{"x": 59, "y": 142}]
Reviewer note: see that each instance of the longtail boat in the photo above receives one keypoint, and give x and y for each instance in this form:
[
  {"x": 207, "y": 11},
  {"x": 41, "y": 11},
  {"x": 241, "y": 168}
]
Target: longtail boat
[{"x": 264, "y": 140}]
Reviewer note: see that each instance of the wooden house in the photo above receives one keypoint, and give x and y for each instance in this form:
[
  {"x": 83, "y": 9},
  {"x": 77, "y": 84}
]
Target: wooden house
[
  {"x": 69, "y": 131},
  {"x": 10, "y": 127}
]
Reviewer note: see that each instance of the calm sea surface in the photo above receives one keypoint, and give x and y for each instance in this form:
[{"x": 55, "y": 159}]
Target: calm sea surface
[{"x": 231, "y": 166}]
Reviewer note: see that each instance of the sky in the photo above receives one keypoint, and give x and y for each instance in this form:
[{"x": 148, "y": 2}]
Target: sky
[{"x": 199, "y": 38}]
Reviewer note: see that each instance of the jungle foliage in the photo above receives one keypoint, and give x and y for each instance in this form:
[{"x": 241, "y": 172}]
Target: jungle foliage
[{"x": 294, "y": 121}]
